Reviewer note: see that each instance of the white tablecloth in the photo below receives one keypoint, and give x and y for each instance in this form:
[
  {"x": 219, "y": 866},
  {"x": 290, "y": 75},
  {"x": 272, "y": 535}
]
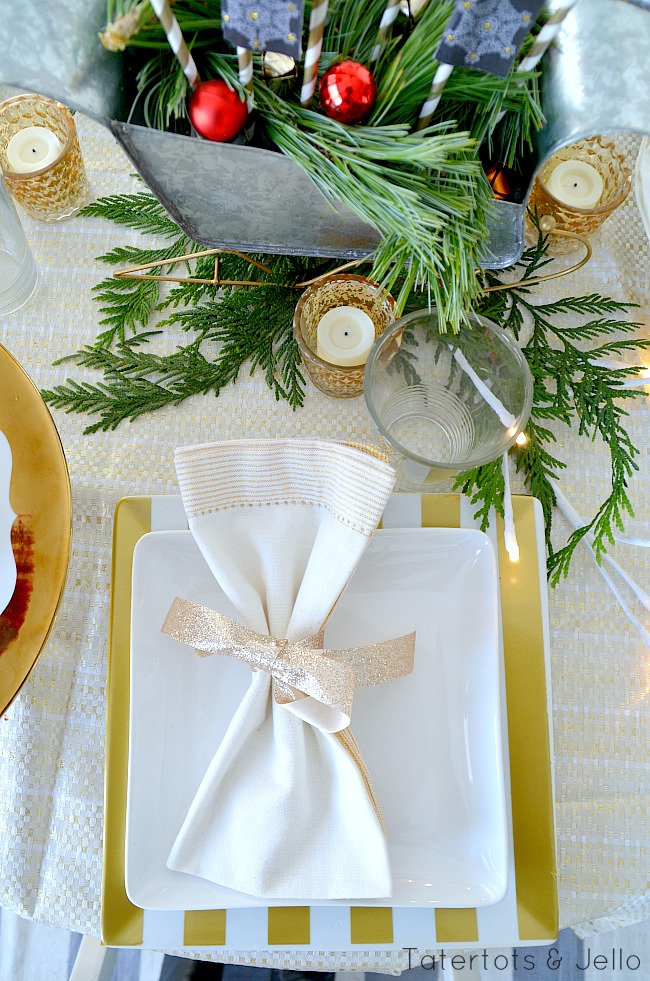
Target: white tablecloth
[{"x": 52, "y": 737}]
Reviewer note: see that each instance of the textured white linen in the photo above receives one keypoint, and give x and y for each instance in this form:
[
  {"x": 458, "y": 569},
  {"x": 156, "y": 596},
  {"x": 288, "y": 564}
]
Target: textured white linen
[
  {"x": 284, "y": 811},
  {"x": 52, "y": 737},
  {"x": 642, "y": 183}
]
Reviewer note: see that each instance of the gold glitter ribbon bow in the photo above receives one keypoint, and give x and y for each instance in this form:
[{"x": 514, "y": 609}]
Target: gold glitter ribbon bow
[{"x": 299, "y": 669}]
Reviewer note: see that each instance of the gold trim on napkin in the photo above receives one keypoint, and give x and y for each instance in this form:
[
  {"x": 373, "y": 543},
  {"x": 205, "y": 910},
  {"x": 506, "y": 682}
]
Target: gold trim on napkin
[{"x": 346, "y": 480}]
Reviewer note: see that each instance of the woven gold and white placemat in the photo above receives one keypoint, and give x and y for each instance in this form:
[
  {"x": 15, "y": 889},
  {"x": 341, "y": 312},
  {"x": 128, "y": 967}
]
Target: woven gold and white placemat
[{"x": 52, "y": 737}]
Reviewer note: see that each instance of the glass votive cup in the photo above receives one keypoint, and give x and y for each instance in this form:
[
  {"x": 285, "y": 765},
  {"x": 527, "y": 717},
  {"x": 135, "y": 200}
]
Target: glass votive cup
[
  {"x": 446, "y": 402},
  {"x": 17, "y": 266},
  {"x": 338, "y": 290},
  {"x": 613, "y": 168},
  {"x": 60, "y": 189}
]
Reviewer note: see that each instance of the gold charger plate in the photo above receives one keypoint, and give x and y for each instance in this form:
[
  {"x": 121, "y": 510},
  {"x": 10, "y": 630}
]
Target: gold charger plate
[
  {"x": 42, "y": 531},
  {"x": 529, "y": 912}
]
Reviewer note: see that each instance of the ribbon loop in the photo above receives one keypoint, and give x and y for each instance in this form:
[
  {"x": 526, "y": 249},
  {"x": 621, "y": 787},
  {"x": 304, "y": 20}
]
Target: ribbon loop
[{"x": 299, "y": 669}]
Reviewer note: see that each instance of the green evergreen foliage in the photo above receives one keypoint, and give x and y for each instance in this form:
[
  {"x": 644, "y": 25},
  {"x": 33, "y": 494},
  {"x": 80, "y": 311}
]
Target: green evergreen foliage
[
  {"x": 569, "y": 387},
  {"x": 234, "y": 329},
  {"x": 424, "y": 191}
]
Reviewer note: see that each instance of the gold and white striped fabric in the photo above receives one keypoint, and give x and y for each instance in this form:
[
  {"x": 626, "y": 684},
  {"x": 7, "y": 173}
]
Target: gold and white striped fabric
[{"x": 349, "y": 482}]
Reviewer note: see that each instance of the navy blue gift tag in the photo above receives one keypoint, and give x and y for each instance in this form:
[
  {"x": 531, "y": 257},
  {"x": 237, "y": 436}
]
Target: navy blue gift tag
[
  {"x": 487, "y": 34},
  {"x": 264, "y": 25}
]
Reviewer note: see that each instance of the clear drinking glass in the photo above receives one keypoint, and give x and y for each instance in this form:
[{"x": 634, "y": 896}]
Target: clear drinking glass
[
  {"x": 446, "y": 402},
  {"x": 17, "y": 266},
  {"x": 60, "y": 189}
]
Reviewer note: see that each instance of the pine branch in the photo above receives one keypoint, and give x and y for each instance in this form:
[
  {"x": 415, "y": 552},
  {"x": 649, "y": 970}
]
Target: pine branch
[
  {"x": 425, "y": 193},
  {"x": 351, "y": 30}
]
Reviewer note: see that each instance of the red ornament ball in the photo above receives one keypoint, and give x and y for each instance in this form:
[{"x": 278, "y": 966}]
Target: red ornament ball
[
  {"x": 216, "y": 111},
  {"x": 347, "y": 92}
]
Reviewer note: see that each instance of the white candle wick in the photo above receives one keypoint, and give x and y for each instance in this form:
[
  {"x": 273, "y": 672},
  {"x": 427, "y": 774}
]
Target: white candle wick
[
  {"x": 576, "y": 184},
  {"x": 32, "y": 148},
  {"x": 509, "y": 531},
  {"x": 344, "y": 336}
]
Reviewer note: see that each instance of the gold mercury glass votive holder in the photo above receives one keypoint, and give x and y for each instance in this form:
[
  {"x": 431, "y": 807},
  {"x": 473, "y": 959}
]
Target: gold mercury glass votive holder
[
  {"x": 337, "y": 290},
  {"x": 616, "y": 175},
  {"x": 60, "y": 189}
]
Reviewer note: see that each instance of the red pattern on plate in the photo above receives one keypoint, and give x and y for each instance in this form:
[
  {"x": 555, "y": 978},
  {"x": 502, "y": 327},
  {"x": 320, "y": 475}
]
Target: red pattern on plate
[{"x": 22, "y": 541}]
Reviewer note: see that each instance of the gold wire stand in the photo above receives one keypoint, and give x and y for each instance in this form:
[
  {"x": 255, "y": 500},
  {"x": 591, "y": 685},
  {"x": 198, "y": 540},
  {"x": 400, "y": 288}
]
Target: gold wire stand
[
  {"x": 138, "y": 272},
  {"x": 547, "y": 225}
]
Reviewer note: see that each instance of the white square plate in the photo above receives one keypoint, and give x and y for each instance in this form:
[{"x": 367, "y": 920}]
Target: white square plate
[{"x": 431, "y": 741}]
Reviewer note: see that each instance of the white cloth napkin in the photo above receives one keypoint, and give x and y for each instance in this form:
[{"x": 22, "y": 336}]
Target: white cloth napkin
[{"x": 285, "y": 810}]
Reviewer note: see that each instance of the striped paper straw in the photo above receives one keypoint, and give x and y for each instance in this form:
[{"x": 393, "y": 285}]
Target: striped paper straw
[
  {"x": 314, "y": 45},
  {"x": 177, "y": 43},
  {"x": 546, "y": 36},
  {"x": 245, "y": 62},
  {"x": 387, "y": 18},
  {"x": 435, "y": 92}
]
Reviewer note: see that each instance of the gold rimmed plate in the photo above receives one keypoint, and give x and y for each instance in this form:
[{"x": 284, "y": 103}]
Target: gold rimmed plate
[{"x": 41, "y": 532}]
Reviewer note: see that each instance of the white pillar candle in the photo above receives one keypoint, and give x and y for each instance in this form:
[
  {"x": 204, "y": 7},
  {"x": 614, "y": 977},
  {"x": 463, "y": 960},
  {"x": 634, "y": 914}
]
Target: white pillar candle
[
  {"x": 344, "y": 336},
  {"x": 32, "y": 148},
  {"x": 576, "y": 184}
]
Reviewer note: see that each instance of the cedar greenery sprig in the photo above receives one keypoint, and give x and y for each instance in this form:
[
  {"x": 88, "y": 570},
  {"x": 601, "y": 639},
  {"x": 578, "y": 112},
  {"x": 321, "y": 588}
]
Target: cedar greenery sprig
[
  {"x": 128, "y": 303},
  {"x": 246, "y": 327},
  {"x": 569, "y": 387},
  {"x": 235, "y": 329},
  {"x": 137, "y": 381}
]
